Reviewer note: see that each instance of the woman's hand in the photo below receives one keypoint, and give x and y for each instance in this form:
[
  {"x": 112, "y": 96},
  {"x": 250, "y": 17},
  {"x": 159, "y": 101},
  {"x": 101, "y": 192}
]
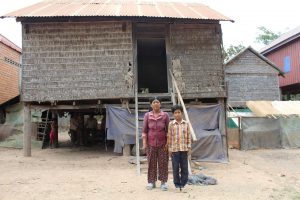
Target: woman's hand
[
  {"x": 166, "y": 147},
  {"x": 145, "y": 146}
]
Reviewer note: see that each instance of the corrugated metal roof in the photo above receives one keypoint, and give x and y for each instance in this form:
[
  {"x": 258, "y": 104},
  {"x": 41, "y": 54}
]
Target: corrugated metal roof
[
  {"x": 285, "y": 38},
  {"x": 9, "y": 43},
  {"x": 119, "y": 8}
]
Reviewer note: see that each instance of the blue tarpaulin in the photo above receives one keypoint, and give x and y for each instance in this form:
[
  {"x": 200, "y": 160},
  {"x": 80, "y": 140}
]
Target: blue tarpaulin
[{"x": 205, "y": 121}]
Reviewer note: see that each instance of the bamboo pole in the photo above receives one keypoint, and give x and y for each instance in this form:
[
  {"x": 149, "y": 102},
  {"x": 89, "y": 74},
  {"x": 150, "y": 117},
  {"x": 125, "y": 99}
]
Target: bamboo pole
[
  {"x": 137, "y": 138},
  {"x": 184, "y": 109}
]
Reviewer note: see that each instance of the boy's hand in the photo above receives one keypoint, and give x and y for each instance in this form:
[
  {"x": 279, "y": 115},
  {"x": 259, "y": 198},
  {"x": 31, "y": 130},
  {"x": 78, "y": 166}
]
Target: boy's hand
[{"x": 189, "y": 151}]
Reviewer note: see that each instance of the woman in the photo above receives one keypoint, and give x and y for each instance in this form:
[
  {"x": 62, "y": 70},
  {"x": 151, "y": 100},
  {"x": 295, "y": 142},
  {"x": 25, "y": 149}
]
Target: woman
[{"x": 154, "y": 134}]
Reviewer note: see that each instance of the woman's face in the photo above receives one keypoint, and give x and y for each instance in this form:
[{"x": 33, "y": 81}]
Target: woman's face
[{"x": 155, "y": 105}]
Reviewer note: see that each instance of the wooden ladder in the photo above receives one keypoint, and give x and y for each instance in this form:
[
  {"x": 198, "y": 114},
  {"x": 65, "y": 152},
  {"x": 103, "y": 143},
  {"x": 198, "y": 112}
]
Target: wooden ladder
[{"x": 42, "y": 128}]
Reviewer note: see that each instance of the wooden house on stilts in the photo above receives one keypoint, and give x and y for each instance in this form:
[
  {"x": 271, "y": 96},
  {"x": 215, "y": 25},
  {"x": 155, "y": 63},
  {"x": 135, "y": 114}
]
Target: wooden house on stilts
[{"x": 81, "y": 55}]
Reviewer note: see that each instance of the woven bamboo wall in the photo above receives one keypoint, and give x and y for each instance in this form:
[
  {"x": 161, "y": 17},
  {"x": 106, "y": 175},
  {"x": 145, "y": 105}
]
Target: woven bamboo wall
[
  {"x": 76, "y": 60},
  {"x": 251, "y": 79},
  {"x": 196, "y": 54}
]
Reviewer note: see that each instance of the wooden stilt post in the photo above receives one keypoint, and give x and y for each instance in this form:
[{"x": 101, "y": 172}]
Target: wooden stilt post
[
  {"x": 27, "y": 130},
  {"x": 126, "y": 148},
  {"x": 223, "y": 124},
  {"x": 55, "y": 117}
]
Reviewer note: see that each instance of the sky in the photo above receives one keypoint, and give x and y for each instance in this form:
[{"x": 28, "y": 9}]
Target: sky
[{"x": 278, "y": 16}]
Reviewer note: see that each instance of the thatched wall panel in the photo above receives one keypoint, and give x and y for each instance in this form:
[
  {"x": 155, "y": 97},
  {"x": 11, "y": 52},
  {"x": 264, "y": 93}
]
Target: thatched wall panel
[{"x": 73, "y": 61}]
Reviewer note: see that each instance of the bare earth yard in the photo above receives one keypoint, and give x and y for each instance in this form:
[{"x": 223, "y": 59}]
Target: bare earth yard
[{"x": 78, "y": 173}]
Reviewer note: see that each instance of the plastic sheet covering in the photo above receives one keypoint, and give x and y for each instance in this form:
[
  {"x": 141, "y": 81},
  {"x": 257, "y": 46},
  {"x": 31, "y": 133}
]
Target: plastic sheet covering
[
  {"x": 290, "y": 132},
  {"x": 260, "y": 133},
  {"x": 120, "y": 126},
  {"x": 269, "y": 133},
  {"x": 205, "y": 121}
]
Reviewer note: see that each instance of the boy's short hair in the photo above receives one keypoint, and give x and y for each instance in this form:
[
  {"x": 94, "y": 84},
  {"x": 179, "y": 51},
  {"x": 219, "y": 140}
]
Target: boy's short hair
[
  {"x": 176, "y": 107},
  {"x": 154, "y": 98}
]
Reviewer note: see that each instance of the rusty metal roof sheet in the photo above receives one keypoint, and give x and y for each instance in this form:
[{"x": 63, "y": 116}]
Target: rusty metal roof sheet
[
  {"x": 9, "y": 43},
  {"x": 119, "y": 8}
]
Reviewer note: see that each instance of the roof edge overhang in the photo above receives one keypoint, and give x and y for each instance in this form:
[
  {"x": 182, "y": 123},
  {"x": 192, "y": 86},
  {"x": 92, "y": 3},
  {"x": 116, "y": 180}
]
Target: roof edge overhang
[
  {"x": 284, "y": 42},
  {"x": 281, "y": 73},
  {"x": 101, "y": 18}
]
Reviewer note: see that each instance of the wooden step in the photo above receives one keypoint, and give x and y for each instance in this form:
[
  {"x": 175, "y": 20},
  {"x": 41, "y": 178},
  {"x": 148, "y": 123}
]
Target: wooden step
[{"x": 149, "y": 95}]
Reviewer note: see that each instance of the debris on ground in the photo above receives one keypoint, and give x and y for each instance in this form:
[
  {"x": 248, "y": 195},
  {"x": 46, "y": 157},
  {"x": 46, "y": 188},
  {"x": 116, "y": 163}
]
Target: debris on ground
[
  {"x": 143, "y": 160},
  {"x": 201, "y": 179}
]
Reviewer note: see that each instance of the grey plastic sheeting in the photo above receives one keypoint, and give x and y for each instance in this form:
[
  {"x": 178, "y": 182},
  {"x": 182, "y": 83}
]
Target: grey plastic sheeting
[
  {"x": 269, "y": 133},
  {"x": 205, "y": 121},
  {"x": 290, "y": 132},
  {"x": 120, "y": 126}
]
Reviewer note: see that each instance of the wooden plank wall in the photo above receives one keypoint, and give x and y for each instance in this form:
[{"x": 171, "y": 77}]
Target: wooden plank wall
[
  {"x": 196, "y": 56},
  {"x": 251, "y": 79},
  {"x": 76, "y": 60},
  {"x": 9, "y": 73}
]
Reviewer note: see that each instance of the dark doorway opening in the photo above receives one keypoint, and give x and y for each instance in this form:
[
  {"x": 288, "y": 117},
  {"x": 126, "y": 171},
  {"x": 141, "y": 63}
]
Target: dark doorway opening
[{"x": 152, "y": 67}]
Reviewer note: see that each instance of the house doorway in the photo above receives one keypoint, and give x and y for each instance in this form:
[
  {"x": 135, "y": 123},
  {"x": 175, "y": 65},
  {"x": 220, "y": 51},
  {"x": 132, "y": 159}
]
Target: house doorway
[{"x": 152, "y": 66}]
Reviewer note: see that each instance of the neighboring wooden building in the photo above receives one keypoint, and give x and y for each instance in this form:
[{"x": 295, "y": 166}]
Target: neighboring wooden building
[
  {"x": 10, "y": 57},
  {"x": 82, "y": 54},
  {"x": 284, "y": 52},
  {"x": 251, "y": 77}
]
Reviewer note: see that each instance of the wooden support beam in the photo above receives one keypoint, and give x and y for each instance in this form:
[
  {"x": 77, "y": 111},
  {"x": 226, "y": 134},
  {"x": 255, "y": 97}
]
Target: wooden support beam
[
  {"x": 27, "y": 131},
  {"x": 223, "y": 124},
  {"x": 126, "y": 148},
  {"x": 55, "y": 117}
]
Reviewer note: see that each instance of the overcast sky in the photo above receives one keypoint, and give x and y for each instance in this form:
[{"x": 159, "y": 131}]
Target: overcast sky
[{"x": 278, "y": 16}]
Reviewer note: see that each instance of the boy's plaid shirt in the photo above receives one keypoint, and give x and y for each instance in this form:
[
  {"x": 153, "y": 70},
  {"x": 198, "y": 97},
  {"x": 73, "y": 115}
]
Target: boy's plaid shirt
[{"x": 179, "y": 137}]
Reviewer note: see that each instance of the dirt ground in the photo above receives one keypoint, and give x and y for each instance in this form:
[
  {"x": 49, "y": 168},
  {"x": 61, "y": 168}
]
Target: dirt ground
[{"x": 93, "y": 173}]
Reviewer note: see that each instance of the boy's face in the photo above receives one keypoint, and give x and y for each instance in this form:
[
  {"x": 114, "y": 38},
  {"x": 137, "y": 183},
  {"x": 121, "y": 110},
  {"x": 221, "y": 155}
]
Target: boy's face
[{"x": 178, "y": 115}]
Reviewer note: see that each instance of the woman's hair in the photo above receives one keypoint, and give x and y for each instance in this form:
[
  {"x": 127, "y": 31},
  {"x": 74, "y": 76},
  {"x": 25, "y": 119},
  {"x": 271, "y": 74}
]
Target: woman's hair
[
  {"x": 177, "y": 107},
  {"x": 154, "y": 98}
]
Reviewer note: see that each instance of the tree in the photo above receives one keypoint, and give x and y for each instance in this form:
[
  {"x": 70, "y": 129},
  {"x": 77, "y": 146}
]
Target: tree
[
  {"x": 266, "y": 36},
  {"x": 232, "y": 51}
]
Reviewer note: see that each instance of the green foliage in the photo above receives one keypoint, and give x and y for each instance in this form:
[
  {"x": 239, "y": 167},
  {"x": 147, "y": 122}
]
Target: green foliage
[
  {"x": 232, "y": 51},
  {"x": 266, "y": 36}
]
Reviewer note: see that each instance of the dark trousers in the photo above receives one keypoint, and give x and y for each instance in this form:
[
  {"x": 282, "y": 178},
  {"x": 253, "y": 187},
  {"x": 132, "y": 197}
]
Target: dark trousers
[{"x": 180, "y": 161}]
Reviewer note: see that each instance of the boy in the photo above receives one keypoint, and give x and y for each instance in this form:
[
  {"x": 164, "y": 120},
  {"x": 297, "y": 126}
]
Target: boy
[{"x": 179, "y": 145}]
